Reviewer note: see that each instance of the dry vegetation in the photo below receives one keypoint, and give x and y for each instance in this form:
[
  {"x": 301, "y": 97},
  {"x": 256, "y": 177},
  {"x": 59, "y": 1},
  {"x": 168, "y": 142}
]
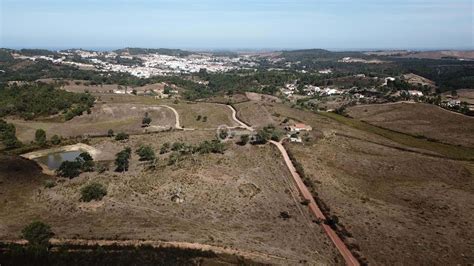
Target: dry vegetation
[
  {"x": 118, "y": 117},
  {"x": 233, "y": 199},
  {"x": 402, "y": 207},
  {"x": 254, "y": 113},
  {"x": 422, "y": 120}
]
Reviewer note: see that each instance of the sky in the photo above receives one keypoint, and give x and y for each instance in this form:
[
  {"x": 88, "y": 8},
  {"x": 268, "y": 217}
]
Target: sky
[{"x": 237, "y": 24}]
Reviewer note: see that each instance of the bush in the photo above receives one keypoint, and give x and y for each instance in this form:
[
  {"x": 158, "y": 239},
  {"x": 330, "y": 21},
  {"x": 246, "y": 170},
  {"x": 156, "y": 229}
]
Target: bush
[
  {"x": 40, "y": 137},
  {"x": 55, "y": 140},
  {"x": 121, "y": 136},
  {"x": 122, "y": 160},
  {"x": 37, "y": 233},
  {"x": 244, "y": 139},
  {"x": 49, "y": 184},
  {"x": 8, "y": 135},
  {"x": 146, "y": 153},
  {"x": 87, "y": 162},
  {"x": 93, "y": 191},
  {"x": 146, "y": 120},
  {"x": 165, "y": 148},
  {"x": 69, "y": 169}
]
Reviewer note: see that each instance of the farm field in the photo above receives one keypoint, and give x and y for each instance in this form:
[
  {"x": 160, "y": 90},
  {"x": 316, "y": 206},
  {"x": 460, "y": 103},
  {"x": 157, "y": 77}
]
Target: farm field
[
  {"x": 401, "y": 205},
  {"x": 232, "y": 199},
  {"x": 419, "y": 119}
]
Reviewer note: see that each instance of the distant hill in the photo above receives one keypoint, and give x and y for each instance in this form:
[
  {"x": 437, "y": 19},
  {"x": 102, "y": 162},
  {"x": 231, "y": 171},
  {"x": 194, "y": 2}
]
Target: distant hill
[
  {"x": 313, "y": 54},
  {"x": 164, "y": 51},
  {"x": 441, "y": 55}
]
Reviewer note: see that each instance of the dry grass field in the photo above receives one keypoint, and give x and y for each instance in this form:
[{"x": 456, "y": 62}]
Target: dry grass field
[
  {"x": 401, "y": 205},
  {"x": 118, "y": 117},
  {"x": 419, "y": 120},
  {"x": 254, "y": 113},
  {"x": 232, "y": 199},
  {"x": 211, "y": 115}
]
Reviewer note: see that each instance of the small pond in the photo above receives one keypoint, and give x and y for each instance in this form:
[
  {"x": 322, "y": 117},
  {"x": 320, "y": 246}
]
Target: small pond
[{"x": 54, "y": 160}]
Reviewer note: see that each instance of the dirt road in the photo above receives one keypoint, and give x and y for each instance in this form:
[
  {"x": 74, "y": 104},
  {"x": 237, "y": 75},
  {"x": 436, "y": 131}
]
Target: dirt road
[
  {"x": 177, "y": 125},
  {"x": 234, "y": 116},
  {"x": 313, "y": 207}
]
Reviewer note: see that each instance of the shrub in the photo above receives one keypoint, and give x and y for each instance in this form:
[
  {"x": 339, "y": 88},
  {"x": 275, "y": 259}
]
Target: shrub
[
  {"x": 146, "y": 153},
  {"x": 93, "y": 191},
  {"x": 146, "y": 120},
  {"x": 37, "y": 233},
  {"x": 55, "y": 140},
  {"x": 87, "y": 162},
  {"x": 121, "y": 136},
  {"x": 165, "y": 148},
  {"x": 122, "y": 160},
  {"x": 204, "y": 119},
  {"x": 110, "y": 133},
  {"x": 49, "y": 184},
  {"x": 40, "y": 137},
  {"x": 69, "y": 169},
  {"x": 244, "y": 139}
]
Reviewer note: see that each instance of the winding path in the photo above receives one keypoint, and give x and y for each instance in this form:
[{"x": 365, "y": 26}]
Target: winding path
[
  {"x": 234, "y": 116},
  {"x": 176, "y": 125},
  {"x": 313, "y": 207}
]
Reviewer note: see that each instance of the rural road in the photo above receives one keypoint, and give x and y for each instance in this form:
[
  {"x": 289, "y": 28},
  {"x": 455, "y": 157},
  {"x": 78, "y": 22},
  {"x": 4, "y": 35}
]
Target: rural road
[
  {"x": 313, "y": 207},
  {"x": 177, "y": 125},
  {"x": 252, "y": 255},
  {"x": 234, "y": 116}
]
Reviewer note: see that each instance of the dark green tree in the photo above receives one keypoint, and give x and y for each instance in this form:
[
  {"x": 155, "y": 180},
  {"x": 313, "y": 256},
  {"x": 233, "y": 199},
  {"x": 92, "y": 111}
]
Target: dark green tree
[
  {"x": 37, "y": 233},
  {"x": 93, "y": 191},
  {"x": 146, "y": 153},
  {"x": 122, "y": 160},
  {"x": 40, "y": 137}
]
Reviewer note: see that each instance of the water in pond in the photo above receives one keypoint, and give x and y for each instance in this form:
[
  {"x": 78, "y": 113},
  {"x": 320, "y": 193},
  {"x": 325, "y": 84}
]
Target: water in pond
[{"x": 54, "y": 160}]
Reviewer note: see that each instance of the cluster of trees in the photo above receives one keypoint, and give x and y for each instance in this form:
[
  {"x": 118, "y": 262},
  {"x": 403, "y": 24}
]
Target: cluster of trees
[
  {"x": 39, "y": 99},
  {"x": 180, "y": 149},
  {"x": 70, "y": 169}
]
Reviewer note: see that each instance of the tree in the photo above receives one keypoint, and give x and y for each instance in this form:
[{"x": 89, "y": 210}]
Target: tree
[
  {"x": 244, "y": 139},
  {"x": 146, "y": 153},
  {"x": 93, "y": 191},
  {"x": 121, "y": 136},
  {"x": 69, "y": 169},
  {"x": 110, "y": 133},
  {"x": 261, "y": 137},
  {"x": 146, "y": 120},
  {"x": 40, "y": 137},
  {"x": 122, "y": 160},
  {"x": 87, "y": 162},
  {"x": 8, "y": 135},
  {"x": 37, "y": 233},
  {"x": 56, "y": 140}
]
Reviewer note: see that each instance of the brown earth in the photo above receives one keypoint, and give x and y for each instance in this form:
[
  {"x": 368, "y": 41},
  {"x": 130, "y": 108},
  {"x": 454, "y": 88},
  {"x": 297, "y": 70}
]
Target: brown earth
[
  {"x": 253, "y": 113},
  {"x": 232, "y": 200},
  {"x": 400, "y": 207},
  {"x": 118, "y": 117},
  {"x": 419, "y": 119}
]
